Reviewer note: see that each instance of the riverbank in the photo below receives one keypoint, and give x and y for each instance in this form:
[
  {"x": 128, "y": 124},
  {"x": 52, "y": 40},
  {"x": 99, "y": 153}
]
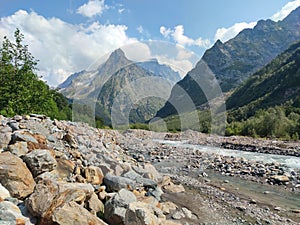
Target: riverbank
[
  {"x": 230, "y": 189},
  {"x": 56, "y": 172}
]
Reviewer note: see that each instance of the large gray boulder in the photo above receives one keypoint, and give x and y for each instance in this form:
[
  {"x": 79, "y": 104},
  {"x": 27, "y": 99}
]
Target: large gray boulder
[
  {"x": 116, "y": 183},
  {"x": 40, "y": 161},
  {"x": 115, "y": 208},
  {"x": 140, "y": 181}
]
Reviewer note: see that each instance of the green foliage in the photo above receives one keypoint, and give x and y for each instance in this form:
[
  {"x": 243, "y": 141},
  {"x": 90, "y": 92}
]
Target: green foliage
[
  {"x": 21, "y": 90},
  {"x": 275, "y": 122}
]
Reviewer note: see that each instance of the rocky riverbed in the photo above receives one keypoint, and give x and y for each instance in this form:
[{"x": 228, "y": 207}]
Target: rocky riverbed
[{"x": 60, "y": 172}]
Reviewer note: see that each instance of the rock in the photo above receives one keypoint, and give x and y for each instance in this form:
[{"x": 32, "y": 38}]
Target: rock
[
  {"x": 140, "y": 213},
  {"x": 95, "y": 205},
  {"x": 49, "y": 195},
  {"x": 167, "y": 207},
  {"x": 15, "y": 176},
  {"x": 115, "y": 208},
  {"x": 280, "y": 179},
  {"x": 178, "y": 215},
  {"x": 4, "y": 193},
  {"x": 296, "y": 210},
  {"x": 18, "y": 149},
  {"x": 156, "y": 193},
  {"x": 140, "y": 181},
  {"x": 40, "y": 161},
  {"x": 71, "y": 140},
  {"x": 73, "y": 214},
  {"x": 174, "y": 188},
  {"x": 5, "y": 136},
  {"x": 94, "y": 175},
  {"x": 188, "y": 213},
  {"x": 11, "y": 214},
  {"x": 116, "y": 183},
  {"x": 17, "y": 136}
]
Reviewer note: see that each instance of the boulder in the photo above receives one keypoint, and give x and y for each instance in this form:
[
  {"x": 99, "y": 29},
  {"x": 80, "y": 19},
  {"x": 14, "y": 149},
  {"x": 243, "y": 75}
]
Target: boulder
[
  {"x": 40, "y": 161},
  {"x": 18, "y": 136},
  {"x": 73, "y": 214},
  {"x": 18, "y": 149},
  {"x": 140, "y": 181},
  {"x": 15, "y": 176},
  {"x": 11, "y": 214},
  {"x": 115, "y": 208},
  {"x": 94, "y": 205},
  {"x": 140, "y": 213},
  {"x": 49, "y": 195},
  {"x": 94, "y": 175},
  {"x": 116, "y": 183},
  {"x": 4, "y": 193}
]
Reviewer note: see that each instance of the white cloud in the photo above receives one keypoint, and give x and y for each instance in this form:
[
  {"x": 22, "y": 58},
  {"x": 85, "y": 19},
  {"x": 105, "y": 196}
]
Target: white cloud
[
  {"x": 286, "y": 10},
  {"x": 63, "y": 48},
  {"x": 120, "y": 11},
  {"x": 224, "y": 34},
  {"x": 178, "y": 36},
  {"x": 140, "y": 29},
  {"x": 92, "y": 8},
  {"x": 137, "y": 51}
]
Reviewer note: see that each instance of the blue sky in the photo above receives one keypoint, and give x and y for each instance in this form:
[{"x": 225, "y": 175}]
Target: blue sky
[{"x": 68, "y": 35}]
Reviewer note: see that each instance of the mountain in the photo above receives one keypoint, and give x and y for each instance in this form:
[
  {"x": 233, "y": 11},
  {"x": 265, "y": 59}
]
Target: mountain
[
  {"x": 275, "y": 84},
  {"x": 160, "y": 70},
  {"x": 234, "y": 61},
  {"x": 119, "y": 75}
]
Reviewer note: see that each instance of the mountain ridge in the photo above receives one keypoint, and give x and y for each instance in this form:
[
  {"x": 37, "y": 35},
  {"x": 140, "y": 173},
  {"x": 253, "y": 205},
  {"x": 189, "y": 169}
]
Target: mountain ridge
[{"x": 234, "y": 61}]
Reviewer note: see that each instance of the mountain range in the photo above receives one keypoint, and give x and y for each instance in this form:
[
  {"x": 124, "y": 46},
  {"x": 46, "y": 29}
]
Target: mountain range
[
  {"x": 118, "y": 76},
  {"x": 235, "y": 61}
]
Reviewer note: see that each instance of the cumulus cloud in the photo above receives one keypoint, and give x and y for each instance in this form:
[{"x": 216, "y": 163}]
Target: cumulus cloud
[
  {"x": 92, "y": 8},
  {"x": 180, "y": 38},
  {"x": 224, "y": 34},
  {"x": 286, "y": 10},
  {"x": 63, "y": 48}
]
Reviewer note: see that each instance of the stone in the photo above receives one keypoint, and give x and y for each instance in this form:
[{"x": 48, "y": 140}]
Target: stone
[
  {"x": 151, "y": 172},
  {"x": 18, "y": 148},
  {"x": 4, "y": 193},
  {"x": 11, "y": 214},
  {"x": 174, "y": 188},
  {"x": 73, "y": 214},
  {"x": 280, "y": 179},
  {"x": 95, "y": 205},
  {"x": 156, "y": 193},
  {"x": 140, "y": 213},
  {"x": 17, "y": 136},
  {"x": 115, "y": 208},
  {"x": 167, "y": 207},
  {"x": 5, "y": 136},
  {"x": 188, "y": 213},
  {"x": 140, "y": 181},
  {"x": 15, "y": 176},
  {"x": 49, "y": 195},
  {"x": 116, "y": 183},
  {"x": 94, "y": 175},
  {"x": 40, "y": 161},
  {"x": 178, "y": 215}
]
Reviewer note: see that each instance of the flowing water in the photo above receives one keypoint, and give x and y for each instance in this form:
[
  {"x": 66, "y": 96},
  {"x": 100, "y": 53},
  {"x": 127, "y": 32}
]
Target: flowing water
[
  {"x": 289, "y": 161},
  {"x": 279, "y": 197}
]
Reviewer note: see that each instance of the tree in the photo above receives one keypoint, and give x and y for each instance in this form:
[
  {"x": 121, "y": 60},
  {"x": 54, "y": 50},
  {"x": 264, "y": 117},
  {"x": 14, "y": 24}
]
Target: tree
[{"x": 21, "y": 90}]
